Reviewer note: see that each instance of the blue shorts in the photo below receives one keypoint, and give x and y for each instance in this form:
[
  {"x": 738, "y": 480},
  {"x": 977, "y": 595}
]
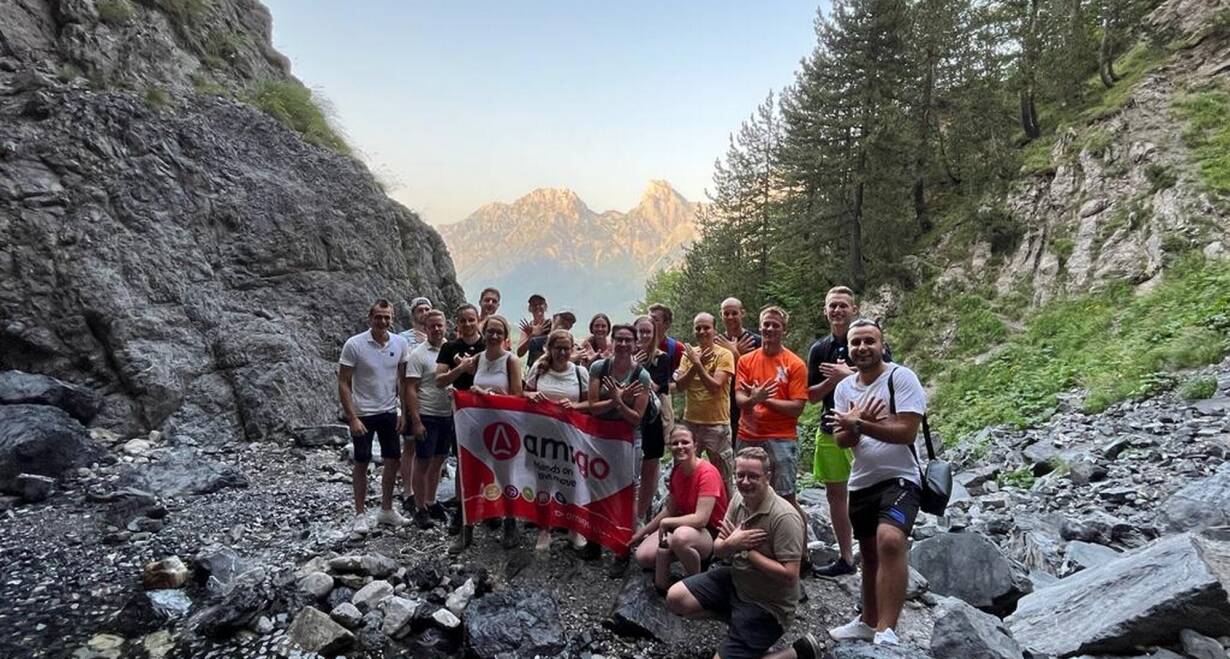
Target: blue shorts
[
  {"x": 383, "y": 426},
  {"x": 438, "y": 437}
]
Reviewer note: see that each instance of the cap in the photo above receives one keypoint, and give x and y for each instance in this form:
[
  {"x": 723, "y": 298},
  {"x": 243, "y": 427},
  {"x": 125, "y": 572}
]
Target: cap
[
  {"x": 539, "y": 296},
  {"x": 419, "y": 301}
]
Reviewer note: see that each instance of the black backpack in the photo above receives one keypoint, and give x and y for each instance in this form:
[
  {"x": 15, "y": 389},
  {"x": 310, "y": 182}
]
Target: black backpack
[{"x": 937, "y": 477}]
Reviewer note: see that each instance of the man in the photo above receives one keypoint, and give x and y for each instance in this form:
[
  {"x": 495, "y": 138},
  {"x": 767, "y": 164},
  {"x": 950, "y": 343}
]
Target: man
[
  {"x": 488, "y": 302},
  {"x": 429, "y": 414},
  {"x": 368, "y": 377},
  {"x": 663, "y": 317},
  {"x": 828, "y": 363},
  {"x": 762, "y": 538},
  {"x": 455, "y": 366},
  {"x": 563, "y": 319},
  {"x": 534, "y": 331},
  {"x": 738, "y": 341},
  {"x": 705, "y": 376},
  {"x": 417, "y": 334},
  {"x": 877, "y": 413}
]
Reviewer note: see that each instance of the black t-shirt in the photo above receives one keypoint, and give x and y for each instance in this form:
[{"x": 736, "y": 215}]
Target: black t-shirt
[
  {"x": 827, "y": 351},
  {"x": 536, "y": 347},
  {"x": 757, "y": 340},
  {"x": 458, "y": 347},
  {"x": 660, "y": 372}
]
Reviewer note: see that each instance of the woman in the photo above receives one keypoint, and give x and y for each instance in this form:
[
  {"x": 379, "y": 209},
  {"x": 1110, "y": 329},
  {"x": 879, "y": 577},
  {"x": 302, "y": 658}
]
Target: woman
[
  {"x": 495, "y": 371},
  {"x": 555, "y": 379},
  {"x": 598, "y": 344},
  {"x": 653, "y": 441},
  {"x": 689, "y": 522},
  {"x": 619, "y": 388}
]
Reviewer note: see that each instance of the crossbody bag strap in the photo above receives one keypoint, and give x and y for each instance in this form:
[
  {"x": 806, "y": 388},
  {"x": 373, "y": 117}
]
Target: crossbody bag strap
[{"x": 892, "y": 409}]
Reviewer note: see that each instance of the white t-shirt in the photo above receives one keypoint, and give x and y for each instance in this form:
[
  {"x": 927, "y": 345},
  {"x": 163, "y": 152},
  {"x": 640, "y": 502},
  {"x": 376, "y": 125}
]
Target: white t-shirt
[
  {"x": 572, "y": 384},
  {"x": 374, "y": 384},
  {"x": 876, "y": 461},
  {"x": 421, "y": 364},
  {"x": 492, "y": 375}
]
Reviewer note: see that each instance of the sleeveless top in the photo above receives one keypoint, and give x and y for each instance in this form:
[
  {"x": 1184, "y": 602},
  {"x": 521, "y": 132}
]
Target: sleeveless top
[{"x": 492, "y": 375}]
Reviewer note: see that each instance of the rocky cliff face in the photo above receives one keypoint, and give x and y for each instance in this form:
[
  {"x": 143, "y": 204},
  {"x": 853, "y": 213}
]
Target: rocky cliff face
[
  {"x": 194, "y": 260},
  {"x": 550, "y": 242}
]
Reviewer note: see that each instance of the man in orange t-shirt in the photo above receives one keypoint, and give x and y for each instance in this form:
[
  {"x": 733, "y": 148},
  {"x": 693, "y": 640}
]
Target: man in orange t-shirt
[{"x": 771, "y": 390}]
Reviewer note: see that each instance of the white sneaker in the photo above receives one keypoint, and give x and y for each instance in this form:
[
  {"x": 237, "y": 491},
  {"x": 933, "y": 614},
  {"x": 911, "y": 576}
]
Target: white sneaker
[
  {"x": 886, "y": 637},
  {"x": 855, "y": 630},
  {"x": 390, "y": 518},
  {"x": 361, "y": 525}
]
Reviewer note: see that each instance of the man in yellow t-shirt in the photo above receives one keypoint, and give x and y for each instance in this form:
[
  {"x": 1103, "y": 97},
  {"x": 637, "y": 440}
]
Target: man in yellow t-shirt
[{"x": 704, "y": 377}]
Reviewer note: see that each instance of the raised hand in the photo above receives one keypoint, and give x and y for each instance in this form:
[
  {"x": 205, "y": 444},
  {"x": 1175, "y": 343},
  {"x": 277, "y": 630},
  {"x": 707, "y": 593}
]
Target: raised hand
[
  {"x": 871, "y": 410},
  {"x": 836, "y": 371},
  {"x": 746, "y": 344}
]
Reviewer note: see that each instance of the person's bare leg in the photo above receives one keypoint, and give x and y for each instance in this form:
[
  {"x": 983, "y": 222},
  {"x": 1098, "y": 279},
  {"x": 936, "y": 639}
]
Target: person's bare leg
[
  {"x": 649, "y": 485},
  {"x": 647, "y": 552},
  {"x": 892, "y": 576},
  {"x": 418, "y": 479},
  {"x": 431, "y": 479},
  {"x": 358, "y": 480},
  {"x": 388, "y": 482},
  {"x": 681, "y": 602},
  {"x": 689, "y": 545},
  {"x": 871, "y": 567},
  {"x": 408, "y": 488},
  {"x": 838, "y": 496}
]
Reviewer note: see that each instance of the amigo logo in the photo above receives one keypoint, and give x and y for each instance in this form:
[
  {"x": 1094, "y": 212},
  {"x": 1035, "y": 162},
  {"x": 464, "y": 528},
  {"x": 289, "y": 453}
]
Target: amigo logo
[
  {"x": 548, "y": 448},
  {"x": 501, "y": 440}
]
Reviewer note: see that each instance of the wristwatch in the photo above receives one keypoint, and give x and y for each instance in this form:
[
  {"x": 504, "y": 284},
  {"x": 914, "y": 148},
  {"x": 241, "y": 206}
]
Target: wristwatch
[{"x": 742, "y": 554}]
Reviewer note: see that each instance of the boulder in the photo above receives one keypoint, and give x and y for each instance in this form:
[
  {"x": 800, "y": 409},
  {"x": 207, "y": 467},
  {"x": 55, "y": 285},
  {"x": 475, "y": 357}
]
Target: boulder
[
  {"x": 1199, "y": 646},
  {"x": 334, "y": 434},
  {"x": 183, "y": 472},
  {"x": 346, "y": 615},
  {"x": 34, "y": 488},
  {"x": 41, "y": 440},
  {"x": 963, "y": 631},
  {"x": 517, "y": 622},
  {"x": 994, "y": 584},
  {"x": 399, "y": 613},
  {"x": 1084, "y": 555},
  {"x": 166, "y": 573},
  {"x": 371, "y": 595},
  {"x": 1199, "y": 504},
  {"x": 640, "y": 611},
  {"x": 1143, "y": 598},
  {"x": 1098, "y": 526},
  {"x": 316, "y": 585},
  {"x": 313, "y": 630},
  {"x": 249, "y": 596},
  {"x": 216, "y": 567},
  {"x": 17, "y": 388},
  {"x": 866, "y": 650}
]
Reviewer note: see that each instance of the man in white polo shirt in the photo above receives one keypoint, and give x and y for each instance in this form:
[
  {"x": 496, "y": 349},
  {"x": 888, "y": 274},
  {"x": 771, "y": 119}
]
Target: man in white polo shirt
[
  {"x": 429, "y": 414},
  {"x": 370, "y": 370}
]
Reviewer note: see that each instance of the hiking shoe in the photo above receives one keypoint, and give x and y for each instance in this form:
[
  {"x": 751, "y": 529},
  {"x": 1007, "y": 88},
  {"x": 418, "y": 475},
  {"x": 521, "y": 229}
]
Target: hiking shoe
[
  {"x": 464, "y": 537},
  {"x": 454, "y": 525},
  {"x": 391, "y": 518},
  {"x": 436, "y": 511},
  {"x": 855, "y": 630},
  {"x": 619, "y": 566},
  {"x": 807, "y": 647},
  {"x": 839, "y": 567},
  {"x": 360, "y": 524},
  {"x": 886, "y": 637},
  {"x": 422, "y": 519},
  {"x": 510, "y": 533},
  {"x": 407, "y": 504}
]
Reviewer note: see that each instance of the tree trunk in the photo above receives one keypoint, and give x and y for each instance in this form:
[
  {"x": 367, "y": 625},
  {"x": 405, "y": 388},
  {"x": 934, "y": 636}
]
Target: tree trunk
[
  {"x": 1029, "y": 64},
  {"x": 858, "y": 277},
  {"x": 1106, "y": 57},
  {"x": 924, "y": 145}
]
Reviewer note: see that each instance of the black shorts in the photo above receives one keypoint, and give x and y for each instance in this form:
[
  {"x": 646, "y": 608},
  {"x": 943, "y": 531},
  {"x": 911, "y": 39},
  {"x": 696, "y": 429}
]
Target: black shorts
[
  {"x": 438, "y": 437},
  {"x": 383, "y": 426},
  {"x": 893, "y": 502},
  {"x": 653, "y": 439},
  {"x": 753, "y": 630}
]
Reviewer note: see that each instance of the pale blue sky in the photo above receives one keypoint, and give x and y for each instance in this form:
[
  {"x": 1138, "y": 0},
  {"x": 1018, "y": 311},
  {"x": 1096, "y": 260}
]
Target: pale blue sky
[{"x": 456, "y": 104}]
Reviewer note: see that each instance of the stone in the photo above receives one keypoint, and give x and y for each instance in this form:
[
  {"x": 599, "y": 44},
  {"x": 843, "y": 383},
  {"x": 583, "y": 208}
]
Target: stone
[
  {"x": 1098, "y": 526},
  {"x": 170, "y": 604},
  {"x": 916, "y": 586},
  {"x": 348, "y": 563},
  {"x": 249, "y": 596},
  {"x": 1199, "y": 646},
  {"x": 445, "y": 619},
  {"x": 346, "y": 615},
  {"x": 166, "y": 573},
  {"x": 17, "y": 387},
  {"x": 339, "y": 595},
  {"x": 377, "y": 565},
  {"x": 1084, "y": 555},
  {"x": 399, "y": 612},
  {"x": 945, "y": 561},
  {"x": 314, "y": 631},
  {"x": 316, "y": 585},
  {"x": 460, "y": 598},
  {"x": 41, "y": 440},
  {"x": 333, "y": 434},
  {"x": 264, "y": 625},
  {"x": 216, "y": 566},
  {"x": 866, "y": 650},
  {"x": 137, "y": 447},
  {"x": 521, "y": 622},
  {"x": 372, "y": 595},
  {"x": 963, "y": 631},
  {"x": 1143, "y": 598},
  {"x": 183, "y": 471},
  {"x": 1199, "y": 504},
  {"x": 639, "y": 610},
  {"x": 34, "y": 488}
]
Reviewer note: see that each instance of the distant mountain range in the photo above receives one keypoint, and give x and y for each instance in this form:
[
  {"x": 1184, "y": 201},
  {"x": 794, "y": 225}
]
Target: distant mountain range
[{"x": 550, "y": 242}]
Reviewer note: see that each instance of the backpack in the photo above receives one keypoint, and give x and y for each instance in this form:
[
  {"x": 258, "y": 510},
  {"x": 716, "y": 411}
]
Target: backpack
[
  {"x": 937, "y": 477},
  {"x": 652, "y": 412}
]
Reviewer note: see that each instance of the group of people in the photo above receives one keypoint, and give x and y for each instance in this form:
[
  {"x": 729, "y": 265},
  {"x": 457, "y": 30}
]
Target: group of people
[{"x": 731, "y": 519}]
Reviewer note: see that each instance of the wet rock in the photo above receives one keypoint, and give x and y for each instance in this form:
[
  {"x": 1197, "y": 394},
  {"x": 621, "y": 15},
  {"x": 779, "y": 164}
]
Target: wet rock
[
  {"x": 640, "y": 611},
  {"x": 314, "y": 631},
  {"x": 1143, "y": 598},
  {"x": 217, "y": 566},
  {"x": 41, "y": 440},
  {"x": 334, "y": 434},
  {"x": 34, "y": 488},
  {"x": 166, "y": 573},
  {"x": 963, "y": 631},
  {"x": 183, "y": 472},
  {"x": 316, "y": 585},
  {"x": 1199, "y": 504},
  {"x": 346, "y": 615},
  {"x": 372, "y": 595},
  {"x": 866, "y": 650},
  {"x": 17, "y": 387},
  {"x": 522, "y": 622},
  {"x": 945, "y": 561},
  {"x": 1199, "y": 646}
]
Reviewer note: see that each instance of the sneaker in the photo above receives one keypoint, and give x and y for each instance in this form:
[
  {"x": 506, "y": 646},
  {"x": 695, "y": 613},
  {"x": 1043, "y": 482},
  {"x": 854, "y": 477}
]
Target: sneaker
[
  {"x": 839, "y": 567},
  {"x": 855, "y": 630},
  {"x": 886, "y": 637},
  {"x": 464, "y": 537},
  {"x": 619, "y": 566},
  {"x": 510, "y": 538},
  {"x": 407, "y": 504},
  {"x": 360, "y": 524},
  {"x": 422, "y": 519},
  {"x": 807, "y": 647},
  {"x": 436, "y": 510},
  {"x": 391, "y": 518}
]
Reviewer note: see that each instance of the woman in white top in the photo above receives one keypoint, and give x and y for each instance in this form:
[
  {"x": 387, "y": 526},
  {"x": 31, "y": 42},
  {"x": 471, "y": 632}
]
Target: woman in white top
[
  {"x": 495, "y": 372},
  {"x": 555, "y": 379},
  {"x": 598, "y": 344}
]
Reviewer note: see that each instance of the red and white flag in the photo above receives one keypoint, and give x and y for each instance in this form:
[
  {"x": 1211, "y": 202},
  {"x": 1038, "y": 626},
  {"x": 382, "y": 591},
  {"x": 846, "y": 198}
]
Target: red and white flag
[{"x": 544, "y": 464}]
